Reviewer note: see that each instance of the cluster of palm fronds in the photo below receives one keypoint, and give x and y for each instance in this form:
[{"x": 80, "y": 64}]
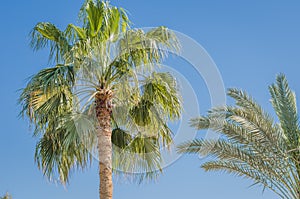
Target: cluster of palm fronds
[
  {"x": 252, "y": 143},
  {"x": 103, "y": 52}
]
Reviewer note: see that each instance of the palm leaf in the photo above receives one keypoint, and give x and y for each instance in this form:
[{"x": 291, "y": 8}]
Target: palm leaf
[{"x": 45, "y": 34}]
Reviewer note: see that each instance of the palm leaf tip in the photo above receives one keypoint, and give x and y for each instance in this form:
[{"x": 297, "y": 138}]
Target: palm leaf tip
[{"x": 193, "y": 146}]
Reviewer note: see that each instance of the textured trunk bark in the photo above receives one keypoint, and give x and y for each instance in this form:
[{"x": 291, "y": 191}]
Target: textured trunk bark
[{"x": 103, "y": 113}]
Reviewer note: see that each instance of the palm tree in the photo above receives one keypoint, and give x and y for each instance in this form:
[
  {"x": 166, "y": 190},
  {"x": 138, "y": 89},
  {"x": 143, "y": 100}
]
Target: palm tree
[
  {"x": 103, "y": 94},
  {"x": 253, "y": 145},
  {"x": 6, "y": 196}
]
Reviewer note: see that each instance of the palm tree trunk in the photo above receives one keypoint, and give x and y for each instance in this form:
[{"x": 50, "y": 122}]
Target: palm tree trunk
[{"x": 103, "y": 113}]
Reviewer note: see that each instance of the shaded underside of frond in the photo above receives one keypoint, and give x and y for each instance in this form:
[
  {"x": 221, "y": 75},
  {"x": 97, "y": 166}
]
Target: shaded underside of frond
[{"x": 136, "y": 158}]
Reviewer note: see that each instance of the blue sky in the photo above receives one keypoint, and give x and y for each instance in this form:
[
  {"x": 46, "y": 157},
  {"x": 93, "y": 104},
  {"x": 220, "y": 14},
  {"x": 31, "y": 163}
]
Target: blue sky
[{"x": 250, "y": 42}]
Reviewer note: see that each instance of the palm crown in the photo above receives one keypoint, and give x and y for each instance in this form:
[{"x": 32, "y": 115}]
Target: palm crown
[
  {"x": 103, "y": 88},
  {"x": 253, "y": 144}
]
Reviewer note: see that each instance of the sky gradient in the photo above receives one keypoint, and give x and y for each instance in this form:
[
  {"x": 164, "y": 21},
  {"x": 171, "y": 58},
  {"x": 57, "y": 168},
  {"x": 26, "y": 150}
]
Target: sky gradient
[{"x": 250, "y": 42}]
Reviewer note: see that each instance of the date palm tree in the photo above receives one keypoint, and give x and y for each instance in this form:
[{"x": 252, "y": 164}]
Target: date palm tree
[
  {"x": 102, "y": 95},
  {"x": 253, "y": 145}
]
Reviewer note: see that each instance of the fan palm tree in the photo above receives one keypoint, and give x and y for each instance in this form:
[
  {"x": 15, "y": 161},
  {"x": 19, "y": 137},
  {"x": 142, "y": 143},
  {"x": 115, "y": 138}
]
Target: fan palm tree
[
  {"x": 103, "y": 94},
  {"x": 253, "y": 145}
]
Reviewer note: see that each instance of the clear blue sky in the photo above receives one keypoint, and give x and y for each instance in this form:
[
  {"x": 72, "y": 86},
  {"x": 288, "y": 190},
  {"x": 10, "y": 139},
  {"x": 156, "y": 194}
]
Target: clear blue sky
[{"x": 250, "y": 41}]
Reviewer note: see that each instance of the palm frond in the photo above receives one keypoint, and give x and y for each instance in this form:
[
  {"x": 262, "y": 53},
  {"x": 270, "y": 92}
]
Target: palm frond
[
  {"x": 284, "y": 103},
  {"x": 45, "y": 34},
  {"x": 66, "y": 145},
  {"x": 139, "y": 159},
  {"x": 243, "y": 170},
  {"x": 161, "y": 89},
  {"x": 47, "y": 94},
  {"x": 141, "y": 48}
]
